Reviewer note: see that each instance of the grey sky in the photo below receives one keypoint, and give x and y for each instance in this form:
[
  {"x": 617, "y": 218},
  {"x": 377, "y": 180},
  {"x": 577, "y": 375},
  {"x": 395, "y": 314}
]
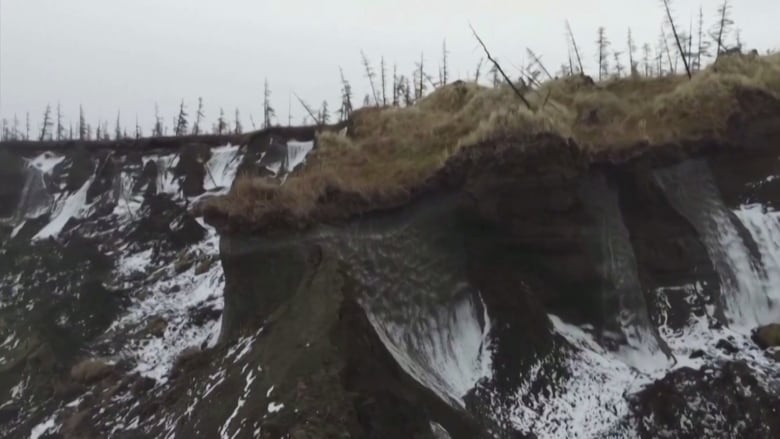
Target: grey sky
[{"x": 129, "y": 54}]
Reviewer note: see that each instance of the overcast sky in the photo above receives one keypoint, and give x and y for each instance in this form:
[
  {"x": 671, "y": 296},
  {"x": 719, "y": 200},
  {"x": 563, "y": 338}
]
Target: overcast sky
[{"x": 127, "y": 55}]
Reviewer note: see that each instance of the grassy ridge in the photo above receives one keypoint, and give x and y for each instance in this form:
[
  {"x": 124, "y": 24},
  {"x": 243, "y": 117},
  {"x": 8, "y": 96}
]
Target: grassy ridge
[{"x": 389, "y": 151}]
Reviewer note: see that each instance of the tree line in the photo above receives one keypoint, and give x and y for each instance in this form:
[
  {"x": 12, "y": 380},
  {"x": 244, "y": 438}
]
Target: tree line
[{"x": 676, "y": 50}]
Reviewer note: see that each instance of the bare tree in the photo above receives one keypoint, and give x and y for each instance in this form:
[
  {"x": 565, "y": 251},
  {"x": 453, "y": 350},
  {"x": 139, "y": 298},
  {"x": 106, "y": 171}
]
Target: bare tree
[
  {"x": 117, "y": 129},
  {"x": 324, "y": 113},
  {"x": 370, "y": 75},
  {"x": 495, "y": 81},
  {"x": 407, "y": 91},
  {"x": 702, "y": 45},
  {"x": 443, "y": 71},
  {"x": 268, "y": 111},
  {"x": 603, "y": 44},
  {"x": 27, "y": 126},
  {"x": 314, "y": 115},
  {"x": 573, "y": 43},
  {"x": 722, "y": 28},
  {"x": 60, "y": 127},
  {"x": 345, "y": 111},
  {"x": 221, "y": 123},
  {"x": 5, "y": 132},
  {"x": 632, "y": 62},
  {"x": 664, "y": 43},
  {"x": 419, "y": 78},
  {"x": 157, "y": 129},
  {"x": 500, "y": 70},
  {"x": 138, "y": 130},
  {"x": 478, "y": 70},
  {"x": 383, "y": 78},
  {"x": 396, "y": 88},
  {"x": 677, "y": 39},
  {"x": 198, "y": 117},
  {"x": 289, "y": 109},
  {"x": 618, "y": 66},
  {"x": 738, "y": 38},
  {"x": 16, "y": 132},
  {"x": 563, "y": 71},
  {"x": 537, "y": 61},
  {"x": 47, "y": 122},
  {"x": 238, "y": 128},
  {"x": 646, "y": 52},
  {"x": 82, "y": 124},
  {"x": 181, "y": 123}
]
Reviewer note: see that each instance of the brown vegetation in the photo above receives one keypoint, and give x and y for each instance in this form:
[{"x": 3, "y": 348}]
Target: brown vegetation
[
  {"x": 390, "y": 151},
  {"x": 91, "y": 370}
]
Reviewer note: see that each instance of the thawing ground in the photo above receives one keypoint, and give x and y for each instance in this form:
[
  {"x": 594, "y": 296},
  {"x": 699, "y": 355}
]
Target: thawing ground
[{"x": 445, "y": 347}]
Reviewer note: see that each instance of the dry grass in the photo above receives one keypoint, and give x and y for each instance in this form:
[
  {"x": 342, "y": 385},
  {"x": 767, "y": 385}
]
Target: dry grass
[
  {"x": 91, "y": 370},
  {"x": 391, "y": 150}
]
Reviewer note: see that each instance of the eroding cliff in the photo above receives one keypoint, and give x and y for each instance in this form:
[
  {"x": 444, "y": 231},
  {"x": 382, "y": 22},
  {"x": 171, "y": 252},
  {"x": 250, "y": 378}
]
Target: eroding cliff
[{"x": 520, "y": 284}]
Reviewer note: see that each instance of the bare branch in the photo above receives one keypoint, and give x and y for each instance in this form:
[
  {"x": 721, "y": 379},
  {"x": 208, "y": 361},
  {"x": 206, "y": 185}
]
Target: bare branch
[
  {"x": 576, "y": 49},
  {"x": 500, "y": 70},
  {"x": 538, "y": 62},
  {"x": 677, "y": 37},
  {"x": 308, "y": 109}
]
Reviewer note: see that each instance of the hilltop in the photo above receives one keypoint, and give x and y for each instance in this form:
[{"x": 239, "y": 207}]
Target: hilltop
[{"x": 389, "y": 154}]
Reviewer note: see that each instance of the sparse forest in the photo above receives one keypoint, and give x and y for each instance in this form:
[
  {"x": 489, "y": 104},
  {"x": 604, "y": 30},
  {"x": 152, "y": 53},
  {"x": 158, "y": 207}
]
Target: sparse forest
[{"x": 677, "y": 51}]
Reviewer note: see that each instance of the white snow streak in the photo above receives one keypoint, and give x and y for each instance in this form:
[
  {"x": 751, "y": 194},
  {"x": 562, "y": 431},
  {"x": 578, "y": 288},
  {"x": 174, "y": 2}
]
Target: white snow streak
[
  {"x": 46, "y": 162},
  {"x": 46, "y": 427},
  {"x": 450, "y": 357},
  {"x": 74, "y": 206},
  {"x": 223, "y": 432}
]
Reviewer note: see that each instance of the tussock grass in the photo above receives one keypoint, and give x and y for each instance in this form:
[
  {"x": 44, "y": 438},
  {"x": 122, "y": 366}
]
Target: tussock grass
[{"x": 390, "y": 150}]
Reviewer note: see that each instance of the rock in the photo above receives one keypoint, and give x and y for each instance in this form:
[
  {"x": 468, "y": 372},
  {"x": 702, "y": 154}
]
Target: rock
[
  {"x": 767, "y": 336},
  {"x": 143, "y": 385},
  {"x": 8, "y": 413},
  {"x": 698, "y": 353},
  {"x": 67, "y": 389},
  {"x": 203, "y": 266},
  {"x": 199, "y": 316},
  {"x": 191, "y": 357},
  {"x": 43, "y": 358},
  {"x": 91, "y": 370},
  {"x": 74, "y": 424},
  {"x": 157, "y": 326},
  {"x": 726, "y": 346},
  {"x": 183, "y": 264}
]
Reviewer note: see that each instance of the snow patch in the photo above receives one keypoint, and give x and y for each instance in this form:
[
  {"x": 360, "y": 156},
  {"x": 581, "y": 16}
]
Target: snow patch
[
  {"x": 154, "y": 357},
  {"x": 451, "y": 352},
  {"x": 46, "y": 162},
  {"x": 46, "y": 427},
  {"x": 223, "y": 432},
  {"x": 297, "y": 153},
  {"x": 74, "y": 206},
  {"x": 221, "y": 168}
]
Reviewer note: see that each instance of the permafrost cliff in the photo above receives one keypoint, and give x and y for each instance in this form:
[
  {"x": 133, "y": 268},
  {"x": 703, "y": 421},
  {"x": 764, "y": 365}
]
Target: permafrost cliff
[{"x": 526, "y": 290}]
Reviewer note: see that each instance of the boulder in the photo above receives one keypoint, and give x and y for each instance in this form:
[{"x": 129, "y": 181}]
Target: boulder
[
  {"x": 91, "y": 370},
  {"x": 767, "y": 336}
]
